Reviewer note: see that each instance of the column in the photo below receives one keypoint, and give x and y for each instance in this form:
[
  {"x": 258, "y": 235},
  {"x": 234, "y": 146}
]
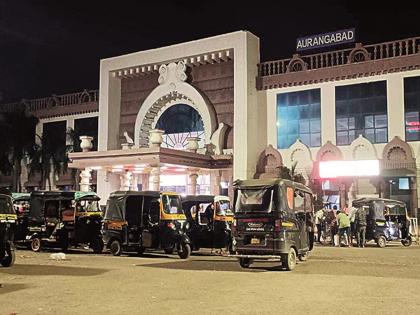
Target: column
[
  {"x": 192, "y": 182},
  {"x": 126, "y": 180},
  {"x": 154, "y": 180},
  {"x": 395, "y": 97},
  {"x": 134, "y": 182},
  {"x": 85, "y": 177},
  {"x": 328, "y": 113},
  {"x": 215, "y": 179}
]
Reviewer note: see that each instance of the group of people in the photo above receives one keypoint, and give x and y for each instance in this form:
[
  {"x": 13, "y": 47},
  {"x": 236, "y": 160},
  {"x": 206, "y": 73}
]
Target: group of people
[{"x": 347, "y": 223}]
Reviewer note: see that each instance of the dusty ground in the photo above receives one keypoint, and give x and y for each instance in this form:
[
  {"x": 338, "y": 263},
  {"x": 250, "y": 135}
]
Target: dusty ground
[{"x": 332, "y": 281}]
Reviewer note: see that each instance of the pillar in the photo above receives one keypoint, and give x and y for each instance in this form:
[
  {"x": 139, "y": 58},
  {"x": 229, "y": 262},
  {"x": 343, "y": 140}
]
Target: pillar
[
  {"x": 192, "y": 182},
  {"x": 215, "y": 179},
  {"x": 134, "y": 182},
  {"x": 154, "y": 180},
  {"x": 85, "y": 177}
]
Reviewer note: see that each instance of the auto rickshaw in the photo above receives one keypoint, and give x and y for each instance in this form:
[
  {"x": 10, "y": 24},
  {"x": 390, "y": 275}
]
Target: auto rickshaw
[
  {"x": 21, "y": 206},
  {"x": 64, "y": 218},
  {"x": 387, "y": 220},
  {"x": 8, "y": 219},
  {"x": 136, "y": 221},
  {"x": 273, "y": 221},
  {"x": 209, "y": 221}
]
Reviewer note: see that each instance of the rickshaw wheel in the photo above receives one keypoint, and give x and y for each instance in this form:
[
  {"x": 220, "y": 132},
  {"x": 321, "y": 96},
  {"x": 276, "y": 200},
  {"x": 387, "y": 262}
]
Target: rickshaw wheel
[
  {"x": 407, "y": 242},
  {"x": 36, "y": 244},
  {"x": 9, "y": 259},
  {"x": 97, "y": 245},
  {"x": 289, "y": 260},
  {"x": 115, "y": 248},
  {"x": 381, "y": 242},
  {"x": 186, "y": 251},
  {"x": 245, "y": 262}
]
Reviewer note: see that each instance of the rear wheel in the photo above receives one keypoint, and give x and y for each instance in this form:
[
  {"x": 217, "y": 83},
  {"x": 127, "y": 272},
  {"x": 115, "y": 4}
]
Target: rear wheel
[
  {"x": 10, "y": 257},
  {"x": 407, "y": 242},
  {"x": 381, "y": 242},
  {"x": 245, "y": 262},
  {"x": 288, "y": 261},
  {"x": 97, "y": 245},
  {"x": 36, "y": 244},
  {"x": 186, "y": 251},
  {"x": 115, "y": 248}
]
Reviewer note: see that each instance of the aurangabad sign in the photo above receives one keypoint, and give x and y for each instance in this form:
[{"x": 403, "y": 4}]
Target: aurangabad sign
[{"x": 325, "y": 40}]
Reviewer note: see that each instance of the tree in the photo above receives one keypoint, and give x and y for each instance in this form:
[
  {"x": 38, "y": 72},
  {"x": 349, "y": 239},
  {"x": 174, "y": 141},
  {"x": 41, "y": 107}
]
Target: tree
[
  {"x": 18, "y": 129},
  {"x": 290, "y": 173}
]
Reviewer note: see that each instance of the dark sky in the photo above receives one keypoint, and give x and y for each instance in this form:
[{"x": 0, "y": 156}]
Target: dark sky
[{"x": 54, "y": 47}]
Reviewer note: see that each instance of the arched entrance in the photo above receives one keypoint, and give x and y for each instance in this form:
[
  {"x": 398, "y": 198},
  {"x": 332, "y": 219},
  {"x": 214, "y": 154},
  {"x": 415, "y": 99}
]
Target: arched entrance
[{"x": 179, "y": 122}]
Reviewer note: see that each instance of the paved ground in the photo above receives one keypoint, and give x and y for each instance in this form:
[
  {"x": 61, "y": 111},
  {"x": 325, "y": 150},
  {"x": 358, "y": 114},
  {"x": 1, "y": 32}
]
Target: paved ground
[{"x": 332, "y": 281}]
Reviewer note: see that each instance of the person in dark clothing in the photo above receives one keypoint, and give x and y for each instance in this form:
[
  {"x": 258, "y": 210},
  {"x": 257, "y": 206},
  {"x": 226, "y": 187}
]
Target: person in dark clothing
[
  {"x": 360, "y": 221},
  {"x": 331, "y": 220}
]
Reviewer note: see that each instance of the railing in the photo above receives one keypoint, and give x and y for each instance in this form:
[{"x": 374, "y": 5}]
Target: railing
[
  {"x": 379, "y": 51},
  {"x": 86, "y": 96}
]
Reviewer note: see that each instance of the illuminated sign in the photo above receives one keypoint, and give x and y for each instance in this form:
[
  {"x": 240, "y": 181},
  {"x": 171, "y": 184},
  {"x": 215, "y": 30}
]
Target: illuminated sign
[
  {"x": 325, "y": 40},
  {"x": 334, "y": 169}
]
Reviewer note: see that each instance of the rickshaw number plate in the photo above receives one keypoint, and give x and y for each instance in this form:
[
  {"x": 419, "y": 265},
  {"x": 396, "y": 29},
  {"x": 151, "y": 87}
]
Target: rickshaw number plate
[{"x": 255, "y": 241}]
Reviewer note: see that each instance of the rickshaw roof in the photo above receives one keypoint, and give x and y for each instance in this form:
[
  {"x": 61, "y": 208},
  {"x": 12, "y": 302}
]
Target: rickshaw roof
[
  {"x": 21, "y": 196},
  {"x": 119, "y": 194},
  {"x": 197, "y": 198},
  {"x": 261, "y": 183},
  {"x": 89, "y": 195},
  {"x": 54, "y": 194},
  {"x": 362, "y": 201}
]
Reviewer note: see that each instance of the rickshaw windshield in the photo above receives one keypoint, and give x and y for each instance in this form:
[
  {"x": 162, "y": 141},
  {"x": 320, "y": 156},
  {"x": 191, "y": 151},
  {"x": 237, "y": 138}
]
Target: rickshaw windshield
[
  {"x": 114, "y": 210},
  {"x": 254, "y": 200},
  {"x": 6, "y": 206},
  {"x": 223, "y": 208},
  {"x": 395, "y": 210},
  {"x": 171, "y": 204}
]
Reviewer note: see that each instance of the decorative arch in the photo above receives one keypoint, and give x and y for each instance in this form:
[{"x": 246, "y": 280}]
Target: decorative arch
[
  {"x": 301, "y": 155},
  {"x": 296, "y": 64},
  {"x": 358, "y": 54},
  {"x": 362, "y": 149},
  {"x": 329, "y": 152},
  {"x": 269, "y": 163},
  {"x": 172, "y": 90},
  {"x": 398, "y": 151}
]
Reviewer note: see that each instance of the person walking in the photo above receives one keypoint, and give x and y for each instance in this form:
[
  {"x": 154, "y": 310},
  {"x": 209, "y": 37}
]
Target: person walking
[
  {"x": 343, "y": 227},
  {"x": 360, "y": 220},
  {"x": 319, "y": 218},
  {"x": 331, "y": 220}
]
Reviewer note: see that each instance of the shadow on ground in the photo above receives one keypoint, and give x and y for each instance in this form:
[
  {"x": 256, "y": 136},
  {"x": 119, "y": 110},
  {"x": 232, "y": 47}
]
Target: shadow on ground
[
  {"x": 48, "y": 270},
  {"x": 11, "y": 287}
]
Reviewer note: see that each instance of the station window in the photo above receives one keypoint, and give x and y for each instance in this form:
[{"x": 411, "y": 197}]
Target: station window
[
  {"x": 299, "y": 117},
  {"x": 412, "y": 108},
  {"x": 361, "y": 109}
]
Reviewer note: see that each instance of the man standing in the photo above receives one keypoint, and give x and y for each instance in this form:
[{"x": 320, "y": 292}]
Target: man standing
[
  {"x": 361, "y": 223},
  {"x": 352, "y": 217},
  {"x": 343, "y": 227},
  {"x": 319, "y": 217}
]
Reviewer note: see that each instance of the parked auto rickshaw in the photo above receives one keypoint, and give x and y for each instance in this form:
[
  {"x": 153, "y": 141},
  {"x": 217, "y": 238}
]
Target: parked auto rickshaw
[
  {"x": 21, "y": 206},
  {"x": 387, "y": 220},
  {"x": 64, "y": 218},
  {"x": 8, "y": 219},
  {"x": 209, "y": 221},
  {"x": 136, "y": 221},
  {"x": 273, "y": 219}
]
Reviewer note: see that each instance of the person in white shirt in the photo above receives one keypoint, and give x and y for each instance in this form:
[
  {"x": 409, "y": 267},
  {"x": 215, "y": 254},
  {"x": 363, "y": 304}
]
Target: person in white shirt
[{"x": 319, "y": 218}]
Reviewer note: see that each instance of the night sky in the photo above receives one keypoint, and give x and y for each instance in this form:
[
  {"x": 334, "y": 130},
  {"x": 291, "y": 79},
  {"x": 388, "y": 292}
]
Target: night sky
[{"x": 54, "y": 47}]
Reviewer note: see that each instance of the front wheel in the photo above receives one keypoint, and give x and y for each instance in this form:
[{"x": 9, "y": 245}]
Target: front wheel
[
  {"x": 407, "y": 242},
  {"x": 36, "y": 244},
  {"x": 288, "y": 261},
  {"x": 10, "y": 257},
  {"x": 245, "y": 262},
  {"x": 186, "y": 251},
  {"x": 115, "y": 248},
  {"x": 381, "y": 242}
]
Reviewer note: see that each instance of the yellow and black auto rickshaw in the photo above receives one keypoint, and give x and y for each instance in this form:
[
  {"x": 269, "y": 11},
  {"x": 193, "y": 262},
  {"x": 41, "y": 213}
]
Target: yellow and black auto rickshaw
[
  {"x": 209, "y": 221},
  {"x": 8, "y": 219},
  {"x": 63, "y": 219},
  {"x": 273, "y": 221},
  {"x": 136, "y": 221}
]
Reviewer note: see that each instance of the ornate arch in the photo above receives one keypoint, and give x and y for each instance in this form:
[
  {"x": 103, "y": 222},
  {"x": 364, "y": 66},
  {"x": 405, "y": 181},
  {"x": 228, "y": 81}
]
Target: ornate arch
[
  {"x": 329, "y": 152},
  {"x": 172, "y": 90},
  {"x": 398, "y": 154},
  {"x": 269, "y": 163},
  {"x": 358, "y": 54},
  {"x": 296, "y": 64},
  {"x": 301, "y": 155},
  {"x": 362, "y": 149}
]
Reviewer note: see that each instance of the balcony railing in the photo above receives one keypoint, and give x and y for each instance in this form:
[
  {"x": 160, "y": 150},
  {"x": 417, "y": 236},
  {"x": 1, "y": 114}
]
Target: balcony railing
[
  {"x": 38, "y": 104},
  {"x": 359, "y": 53}
]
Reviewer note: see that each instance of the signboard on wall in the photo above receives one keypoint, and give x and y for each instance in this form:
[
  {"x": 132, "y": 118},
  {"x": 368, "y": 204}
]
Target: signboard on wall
[{"x": 326, "y": 39}]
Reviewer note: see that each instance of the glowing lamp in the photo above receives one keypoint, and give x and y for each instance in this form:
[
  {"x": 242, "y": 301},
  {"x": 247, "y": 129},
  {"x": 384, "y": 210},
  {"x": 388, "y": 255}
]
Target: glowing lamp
[{"x": 334, "y": 169}]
